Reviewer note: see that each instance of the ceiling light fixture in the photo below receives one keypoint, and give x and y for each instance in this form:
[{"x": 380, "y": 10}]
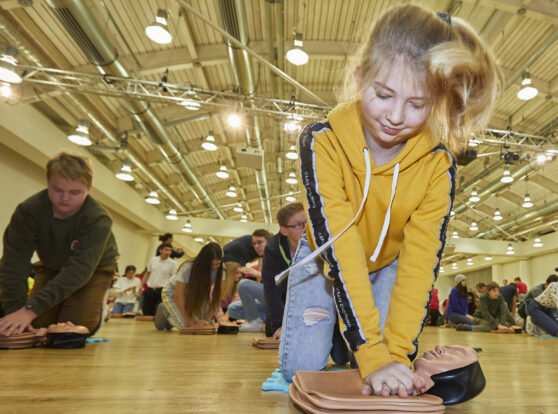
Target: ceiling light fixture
[
  {"x": 506, "y": 176},
  {"x": 454, "y": 235},
  {"x": 152, "y": 198},
  {"x": 80, "y": 135},
  {"x": 187, "y": 227},
  {"x": 8, "y": 68},
  {"x": 454, "y": 265},
  {"x": 158, "y": 31},
  {"x": 497, "y": 215},
  {"x": 474, "y": 226},
  {"x": 231, "y": 192},
  {"x": 537, "y": 243},
  {"x": 125, "y": 173},
  {"x": 209, "y": 143},
  {"x": 291, "y": 179},
  {"x": 442, "y": 269},
  {"x": 510, "y": 250},
  {"x": 291, "y": 153},
  {"x": 474, "y": 195},
  {"x": 541, "y": 158},
  {"x": 290, "y": 197},
  {"x": 527, "y": 203},
  {"x": 198, "y": 239},
  {"x": 527, "y": 91},
  {"x": 222, "y": 173},
  {"x": 470, "y": 262},
  {"x": 238, "y": 208},
  {"x": 487, "y": 258},
  {"x": 296, "y": 55},
  {"x": 171, "y": 215}
]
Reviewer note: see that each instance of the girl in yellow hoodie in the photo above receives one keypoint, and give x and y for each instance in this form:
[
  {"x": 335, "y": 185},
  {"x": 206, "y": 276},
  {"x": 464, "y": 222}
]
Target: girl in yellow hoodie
[{"x": 378, "y": 173}]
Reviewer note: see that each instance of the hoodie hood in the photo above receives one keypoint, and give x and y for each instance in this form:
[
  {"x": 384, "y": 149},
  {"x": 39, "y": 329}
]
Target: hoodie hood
[{"x": 346, "y": 121}]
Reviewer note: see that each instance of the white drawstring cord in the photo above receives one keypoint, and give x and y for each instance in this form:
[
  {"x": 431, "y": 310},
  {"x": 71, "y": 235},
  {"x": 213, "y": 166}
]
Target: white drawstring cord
[{"x": 279, "y": 278}]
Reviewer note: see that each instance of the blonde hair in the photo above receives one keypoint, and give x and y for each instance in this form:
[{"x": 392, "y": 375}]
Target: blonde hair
[
  {"x": 71, "y": 167},
  {"x": 463, "y": 79},
  {"x": 229, "y": 284}
]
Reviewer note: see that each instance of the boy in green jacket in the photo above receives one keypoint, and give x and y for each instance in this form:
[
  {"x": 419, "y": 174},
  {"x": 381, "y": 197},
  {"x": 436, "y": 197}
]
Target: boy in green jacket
[
  {"x": 492, "y": 314},
  {"x": 71, "y": 234}
]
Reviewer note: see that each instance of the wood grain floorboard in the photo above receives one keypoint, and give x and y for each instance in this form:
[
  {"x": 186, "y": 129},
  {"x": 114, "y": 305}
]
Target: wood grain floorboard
[{"x": 142, "y": 370}]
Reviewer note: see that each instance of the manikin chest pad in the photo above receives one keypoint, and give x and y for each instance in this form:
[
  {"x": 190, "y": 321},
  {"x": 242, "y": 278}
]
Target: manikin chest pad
[{"x": 452, "y": 373}]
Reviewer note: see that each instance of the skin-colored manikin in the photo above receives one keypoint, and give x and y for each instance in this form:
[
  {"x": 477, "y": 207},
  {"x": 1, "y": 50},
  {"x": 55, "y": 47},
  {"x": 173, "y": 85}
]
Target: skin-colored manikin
[
  {"x": 443, "y": 359},
  {"x": 67, "y": 327}
]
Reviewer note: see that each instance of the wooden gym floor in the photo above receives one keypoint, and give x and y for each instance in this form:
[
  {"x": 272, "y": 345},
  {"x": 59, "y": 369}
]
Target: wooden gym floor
[{"x": 144, "y": 371}]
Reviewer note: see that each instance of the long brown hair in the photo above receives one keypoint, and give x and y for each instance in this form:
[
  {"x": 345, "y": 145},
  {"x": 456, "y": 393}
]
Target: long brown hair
[
  {"x": 199, "y": 284},
  {"x": 229, "y": 284}
]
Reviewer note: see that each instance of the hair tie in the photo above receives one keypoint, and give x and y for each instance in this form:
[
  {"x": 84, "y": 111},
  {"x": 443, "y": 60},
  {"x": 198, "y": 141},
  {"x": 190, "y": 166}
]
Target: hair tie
[{"x": 445, "y": 17}]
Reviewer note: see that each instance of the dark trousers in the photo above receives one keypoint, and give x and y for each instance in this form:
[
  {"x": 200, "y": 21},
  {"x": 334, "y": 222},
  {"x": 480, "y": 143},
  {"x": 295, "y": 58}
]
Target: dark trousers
[
  {"x": 543, "y": 317},
  {"x": 434, "y": 315},
  {"x": 83, "y": 307},
  {"x": 151, "y": 299}
]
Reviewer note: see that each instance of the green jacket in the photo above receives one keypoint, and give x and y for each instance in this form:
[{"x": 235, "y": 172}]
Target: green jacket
[
  {"x": 75, "y": 247},
  {"x": 493, "y": 311}
]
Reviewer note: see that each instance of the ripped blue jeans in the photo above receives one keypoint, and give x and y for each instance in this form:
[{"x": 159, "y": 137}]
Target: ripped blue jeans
[{"x": 310, "y": 315}]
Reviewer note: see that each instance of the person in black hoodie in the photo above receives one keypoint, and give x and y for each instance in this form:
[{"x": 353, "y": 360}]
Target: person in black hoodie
[{"x": 277, "y": 257}]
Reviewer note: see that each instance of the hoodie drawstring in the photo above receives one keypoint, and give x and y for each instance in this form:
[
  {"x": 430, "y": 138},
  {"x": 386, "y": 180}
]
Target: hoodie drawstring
[{"x": 279, "y": 278}]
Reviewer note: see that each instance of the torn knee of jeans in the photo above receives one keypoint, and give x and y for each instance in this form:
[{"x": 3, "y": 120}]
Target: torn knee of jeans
[{"x": 312, "y": 316}]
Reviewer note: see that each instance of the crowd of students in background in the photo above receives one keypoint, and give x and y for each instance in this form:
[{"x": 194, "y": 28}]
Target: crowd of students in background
[
  {"x": 223, "y": 284},
  {"x": 490, "y": 307}
]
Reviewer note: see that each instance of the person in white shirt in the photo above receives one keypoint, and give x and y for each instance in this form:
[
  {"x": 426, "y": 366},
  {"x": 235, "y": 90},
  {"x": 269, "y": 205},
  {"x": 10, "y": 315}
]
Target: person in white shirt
[
  {"x": 125, "y": 289},
  {"x": 159, "y": 271}
]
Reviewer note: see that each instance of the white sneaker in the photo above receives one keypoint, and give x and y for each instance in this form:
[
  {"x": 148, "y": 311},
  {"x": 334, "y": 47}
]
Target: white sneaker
[{"x": 252, "y": 326}]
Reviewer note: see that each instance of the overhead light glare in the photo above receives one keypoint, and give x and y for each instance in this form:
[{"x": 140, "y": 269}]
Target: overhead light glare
[
  {"x": 234, "y": 120},
  {"x": 8, "y": 68},
  {"x": 198, "y": 239},
  {"x": 510, "y": 250},
  {"x": 190, "y": 105},
  {"x": 158, "y": 31},
  {"x": 290, "y": 197},
  {"x": 454, "y": 235},
  {"x": 238, "y": 208},
  {"x": 537, "y": 242},
  {"x": 474, "y": 226},
  {"x": 488, "y": 258}
]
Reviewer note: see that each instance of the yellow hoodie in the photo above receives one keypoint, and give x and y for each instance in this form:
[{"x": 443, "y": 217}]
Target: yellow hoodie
[{"x": 333, "y": 174}]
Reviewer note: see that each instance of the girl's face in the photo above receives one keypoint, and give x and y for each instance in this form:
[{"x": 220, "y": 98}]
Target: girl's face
[
  {"x": 215, "y": 263},
  {"x": 394, "y": 105},
  {"x": 130, "y": 274}
]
